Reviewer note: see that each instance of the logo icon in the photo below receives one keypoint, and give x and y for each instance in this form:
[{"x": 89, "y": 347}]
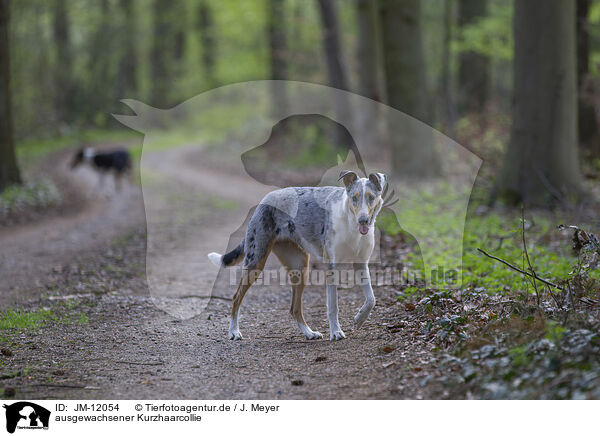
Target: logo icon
[{"x": 26, "y": 415}]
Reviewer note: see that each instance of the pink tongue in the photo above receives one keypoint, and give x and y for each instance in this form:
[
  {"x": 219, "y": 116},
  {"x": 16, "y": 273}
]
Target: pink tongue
[{"x": 363, "y": 229}]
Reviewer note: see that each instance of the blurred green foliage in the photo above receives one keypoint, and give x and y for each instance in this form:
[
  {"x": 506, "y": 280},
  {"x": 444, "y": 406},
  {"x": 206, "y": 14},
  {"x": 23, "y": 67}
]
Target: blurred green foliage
[
  {"x": 490, "y": 35},
  {"x": 32, "y": 149},
  {"x": 500, "y": 234},
  {"x": 98, "y": 40},
  {"x": 36, "y": 194}
]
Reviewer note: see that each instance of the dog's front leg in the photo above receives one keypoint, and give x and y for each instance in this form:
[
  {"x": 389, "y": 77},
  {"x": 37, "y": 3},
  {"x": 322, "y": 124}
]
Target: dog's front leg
[
  {"x": 361, "y": 274},
  {"x": 100, "y": 185},
  {"x": 335, "y": 331}
]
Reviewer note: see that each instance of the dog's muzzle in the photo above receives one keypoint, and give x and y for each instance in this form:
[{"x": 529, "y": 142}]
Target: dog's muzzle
[{"x": 363, "y": 225}]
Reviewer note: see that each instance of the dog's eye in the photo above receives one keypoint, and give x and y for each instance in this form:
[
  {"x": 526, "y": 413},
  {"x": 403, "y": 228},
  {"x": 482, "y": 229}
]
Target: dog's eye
[
  {"x": 370, "y": 198},
  {"x": 355, "y": 198}
]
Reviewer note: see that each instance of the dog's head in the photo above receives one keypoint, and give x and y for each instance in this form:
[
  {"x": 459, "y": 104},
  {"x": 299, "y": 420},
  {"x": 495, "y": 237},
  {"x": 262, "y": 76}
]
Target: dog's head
[
  {"x": 78, "y": 158},
  {"x": 364, "y": 197},
  {"x": 82, "y": 155}
]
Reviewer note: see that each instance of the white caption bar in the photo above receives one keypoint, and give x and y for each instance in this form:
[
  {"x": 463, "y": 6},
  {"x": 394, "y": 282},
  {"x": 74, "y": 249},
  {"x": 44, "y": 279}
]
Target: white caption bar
[{"x": 22, "y": 417}]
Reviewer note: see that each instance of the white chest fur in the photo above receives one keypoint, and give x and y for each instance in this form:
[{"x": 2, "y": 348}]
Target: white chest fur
[{"x": 347, "y": 244}]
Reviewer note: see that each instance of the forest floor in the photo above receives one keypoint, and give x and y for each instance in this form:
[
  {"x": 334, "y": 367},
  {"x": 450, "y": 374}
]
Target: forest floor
[{"x": 78, "y": 321}]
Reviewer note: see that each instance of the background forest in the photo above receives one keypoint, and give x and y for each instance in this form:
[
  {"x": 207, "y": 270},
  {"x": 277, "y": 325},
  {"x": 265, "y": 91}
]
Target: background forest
[
  {"x": 449, "y": 64},
  {"x": 516, "y": 82}
]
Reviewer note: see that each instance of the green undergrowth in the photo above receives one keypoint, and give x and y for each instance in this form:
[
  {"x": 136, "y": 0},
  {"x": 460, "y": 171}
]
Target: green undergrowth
[
  {"x": 17, "y": 319},
  {"x": 500, "y": 233},
  {"x": 14, "y": 320},
  {"x": 499, "y": 336},
  {"x": 35, "y": 194},
  {"x": 433, "y": 214},
  {"x": 549, "y": 251}
]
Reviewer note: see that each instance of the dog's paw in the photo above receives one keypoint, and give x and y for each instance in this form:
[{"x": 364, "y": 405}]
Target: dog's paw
[
  {"x": 313, "y": 335},
  {"x": 363, "y": 313},
  {"x": 337, "y": 335},
  {"x": 360, "y": 319},
  {"x": 235, "y": 335}
]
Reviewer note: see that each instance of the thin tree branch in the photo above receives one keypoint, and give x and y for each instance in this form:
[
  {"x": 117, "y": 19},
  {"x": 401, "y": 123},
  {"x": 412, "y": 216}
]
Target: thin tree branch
[
  {"x": 537, "y": 294},
  {"x": 521, "y": 271}
]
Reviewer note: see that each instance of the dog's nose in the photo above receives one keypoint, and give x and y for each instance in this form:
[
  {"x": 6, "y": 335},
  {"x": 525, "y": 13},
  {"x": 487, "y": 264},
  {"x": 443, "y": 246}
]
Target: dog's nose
[{"x": 363, "y": 220}]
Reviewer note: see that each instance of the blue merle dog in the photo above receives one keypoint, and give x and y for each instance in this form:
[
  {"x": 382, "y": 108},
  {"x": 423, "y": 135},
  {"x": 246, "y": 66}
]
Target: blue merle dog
[{"x": 334, "y": 224}]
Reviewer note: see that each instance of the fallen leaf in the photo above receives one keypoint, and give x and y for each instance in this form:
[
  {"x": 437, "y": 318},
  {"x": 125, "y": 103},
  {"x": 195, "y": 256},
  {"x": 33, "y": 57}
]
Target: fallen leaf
[{"x": 409, "y": 306}]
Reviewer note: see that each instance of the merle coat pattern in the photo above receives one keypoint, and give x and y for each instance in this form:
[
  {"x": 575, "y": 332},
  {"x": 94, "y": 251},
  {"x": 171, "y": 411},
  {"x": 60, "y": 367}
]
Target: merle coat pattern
[{"x": 333, "y": 224}]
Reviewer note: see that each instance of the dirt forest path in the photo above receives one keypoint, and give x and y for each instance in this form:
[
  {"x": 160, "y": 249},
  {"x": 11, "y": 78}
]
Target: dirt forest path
[
  {"x": 89, "y": 220},
  {"x": 128, "y": 348}
]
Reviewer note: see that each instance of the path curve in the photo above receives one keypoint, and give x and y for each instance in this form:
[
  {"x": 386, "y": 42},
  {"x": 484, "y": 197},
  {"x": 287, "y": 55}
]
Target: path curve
[{"x": 131, "y": 349}]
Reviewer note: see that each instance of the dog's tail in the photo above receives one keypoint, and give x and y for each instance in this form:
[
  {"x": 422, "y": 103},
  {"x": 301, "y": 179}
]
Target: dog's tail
[{"x": 234, "y": 257}]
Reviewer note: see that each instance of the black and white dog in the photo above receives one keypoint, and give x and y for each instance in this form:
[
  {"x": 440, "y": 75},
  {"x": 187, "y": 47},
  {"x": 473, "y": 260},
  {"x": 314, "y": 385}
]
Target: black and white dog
[{"x": 117, "y": 162}]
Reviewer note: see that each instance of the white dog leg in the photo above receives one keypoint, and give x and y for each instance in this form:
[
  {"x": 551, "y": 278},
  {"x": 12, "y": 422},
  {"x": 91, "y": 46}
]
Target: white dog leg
[
  {"x": 234, "y": 328},
  {"x": 363, "y": 278},
  {"x": 335, "y": 331}
]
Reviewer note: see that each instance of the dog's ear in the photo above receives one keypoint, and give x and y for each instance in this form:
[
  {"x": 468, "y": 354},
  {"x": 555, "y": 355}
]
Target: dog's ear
[
  {"x": 349, "y": 177},
  {"x": 379, "y": 180}
]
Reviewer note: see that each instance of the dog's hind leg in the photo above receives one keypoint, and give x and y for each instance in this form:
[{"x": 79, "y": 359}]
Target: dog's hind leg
[
  {"x": 249, "y": 275},
  {"x": 118, "y": 177},
  {"x": 295, "y": 260},
  {"x": 258, "y": 242}
]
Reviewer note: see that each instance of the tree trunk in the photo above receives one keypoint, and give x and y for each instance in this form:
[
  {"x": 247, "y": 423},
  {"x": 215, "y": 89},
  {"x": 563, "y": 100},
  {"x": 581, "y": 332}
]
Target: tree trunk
[
  {"x": 100, "y": 96},
  {"x": 64, "y": 84},
  {"x": 473, "y": 68},
  {"x": 449, "y": 108},
  {"x": 370, "y": 75},
  {"x": 542, "y": 163},
  {"x": 278, "y": 51},
  {"x": 368, "y": 50},
  {"x": 127, "y": 82},
  {"x": 9, "y": 171},
  {"x": 207, "y": 39},
  {"x": 331, "y": 40},
  {"x": 413, "y": 154},
  {"x": 335, "y": 65},
  {"x": 583, "y": 40},
  {"x": 589, "y": 134},
  {"x": 179, "y": 11},
  {"x": 161, "y": 53}
]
